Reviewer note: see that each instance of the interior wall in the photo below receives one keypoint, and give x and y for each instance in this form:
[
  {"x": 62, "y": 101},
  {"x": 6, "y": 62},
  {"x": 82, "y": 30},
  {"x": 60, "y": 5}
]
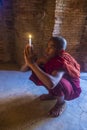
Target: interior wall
[
  {"x": 42, "y": 19},
  {"x": 70, "y": 23},
  {"x": 82, "y": 49},
  {"x": 34, "y": 17},
  {"x": 6, "y": 31}
]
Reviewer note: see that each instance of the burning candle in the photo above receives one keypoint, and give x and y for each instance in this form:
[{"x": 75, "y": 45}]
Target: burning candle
[{"x": 30, "y": 42}]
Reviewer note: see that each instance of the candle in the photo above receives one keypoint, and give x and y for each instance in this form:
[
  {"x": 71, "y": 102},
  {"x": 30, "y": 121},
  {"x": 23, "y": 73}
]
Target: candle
[{"x": 30, "y": 40}]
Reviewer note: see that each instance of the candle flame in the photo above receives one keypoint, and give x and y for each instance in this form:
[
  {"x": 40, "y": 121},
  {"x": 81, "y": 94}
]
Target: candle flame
[{"x": 30, "y": 36}]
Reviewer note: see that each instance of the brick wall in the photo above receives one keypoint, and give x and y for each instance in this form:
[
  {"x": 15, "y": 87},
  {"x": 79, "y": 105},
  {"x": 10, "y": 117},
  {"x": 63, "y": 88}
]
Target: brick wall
[
  {"x": 42, "y": 18},
  {"x": 35, "y": 17},
  {"x": 82, "y": 49},
  {"x": 6, "y": 31},
  {"x": 70, "y": 22}
]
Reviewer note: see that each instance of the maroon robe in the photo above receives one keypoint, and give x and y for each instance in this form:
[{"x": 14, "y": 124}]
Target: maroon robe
[{"x": 69, "y": 85}]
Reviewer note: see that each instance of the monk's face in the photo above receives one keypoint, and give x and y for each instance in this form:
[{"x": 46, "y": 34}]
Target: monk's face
[{"x": 51, "y": 50}]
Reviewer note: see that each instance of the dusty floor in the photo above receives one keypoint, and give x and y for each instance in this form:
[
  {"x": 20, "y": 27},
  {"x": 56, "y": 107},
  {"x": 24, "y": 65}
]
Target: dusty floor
[{"x": 21, "y": 109}]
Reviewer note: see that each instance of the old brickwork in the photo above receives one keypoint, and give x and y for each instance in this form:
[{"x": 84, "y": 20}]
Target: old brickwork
[
  {"x": 6, "y": 31},
  {"x": 42, "y": 19},
  {"x": 82, "y": 49},
  {"x": 70, "y": 22},
  {"x": 34, "y": 17}
]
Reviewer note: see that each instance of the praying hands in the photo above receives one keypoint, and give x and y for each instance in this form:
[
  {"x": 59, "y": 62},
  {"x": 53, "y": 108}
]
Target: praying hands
[{"x": 29, "y": 55}]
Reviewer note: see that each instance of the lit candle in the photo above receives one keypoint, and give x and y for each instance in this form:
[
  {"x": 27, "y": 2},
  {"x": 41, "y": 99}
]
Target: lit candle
[{"x": 30, "y": 40}]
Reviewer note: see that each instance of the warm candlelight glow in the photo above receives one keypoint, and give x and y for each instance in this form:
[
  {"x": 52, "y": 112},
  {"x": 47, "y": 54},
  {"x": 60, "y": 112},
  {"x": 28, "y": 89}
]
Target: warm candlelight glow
[
  {"x": 30, "y": 42},
  {"x": 30, "y": 36}
]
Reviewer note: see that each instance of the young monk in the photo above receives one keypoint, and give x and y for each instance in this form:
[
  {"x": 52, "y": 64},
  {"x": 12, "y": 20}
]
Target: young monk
[{"x": 58, "y": 71}]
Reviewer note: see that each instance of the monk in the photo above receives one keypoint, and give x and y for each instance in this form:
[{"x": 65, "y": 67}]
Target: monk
[{"x": 57, "y": 71}]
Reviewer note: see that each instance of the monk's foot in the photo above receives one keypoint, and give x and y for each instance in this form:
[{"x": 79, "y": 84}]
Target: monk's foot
[
  {"x": 57, "y": 110},
  {"x": 47, "y": 97}
]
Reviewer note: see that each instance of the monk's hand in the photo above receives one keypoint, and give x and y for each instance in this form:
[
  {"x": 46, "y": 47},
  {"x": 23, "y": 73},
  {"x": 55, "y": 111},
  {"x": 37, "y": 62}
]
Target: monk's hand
[{"x": 29, "y": 55}]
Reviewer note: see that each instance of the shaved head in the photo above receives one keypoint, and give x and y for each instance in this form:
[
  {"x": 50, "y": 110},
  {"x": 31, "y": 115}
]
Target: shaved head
[{"x": 59, "y": 42}]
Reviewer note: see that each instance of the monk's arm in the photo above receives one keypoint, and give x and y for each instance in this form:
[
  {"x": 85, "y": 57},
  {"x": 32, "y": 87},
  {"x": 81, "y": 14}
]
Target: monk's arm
[{"x": 50, "y": 81}]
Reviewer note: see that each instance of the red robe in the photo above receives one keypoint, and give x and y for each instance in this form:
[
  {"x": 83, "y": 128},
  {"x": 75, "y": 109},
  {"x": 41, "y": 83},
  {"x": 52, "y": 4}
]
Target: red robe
[{"x": 69, "y": 86}]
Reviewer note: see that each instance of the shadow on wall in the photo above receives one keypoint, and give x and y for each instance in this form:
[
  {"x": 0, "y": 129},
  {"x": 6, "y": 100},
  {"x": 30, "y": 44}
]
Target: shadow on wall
[
  {"x": 1, "y": 3},
  {"x": 82, "y": 49}
]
